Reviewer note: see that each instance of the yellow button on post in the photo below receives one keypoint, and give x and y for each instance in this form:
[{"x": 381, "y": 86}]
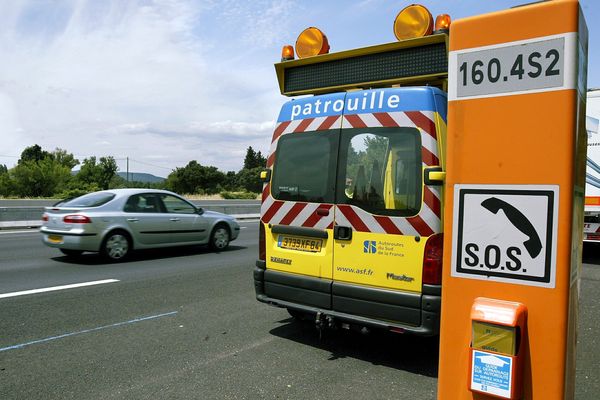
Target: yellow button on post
[{"x": 496, "y": 338}]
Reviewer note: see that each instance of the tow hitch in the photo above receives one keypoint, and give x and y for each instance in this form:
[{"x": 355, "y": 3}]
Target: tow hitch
[{"x": 322, "y": 322}]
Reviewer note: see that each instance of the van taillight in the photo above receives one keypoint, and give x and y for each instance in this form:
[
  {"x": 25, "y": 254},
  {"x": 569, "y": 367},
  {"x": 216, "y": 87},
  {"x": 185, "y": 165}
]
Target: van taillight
[
  {"x": 262, "y": 249},
  {"x": 432, "y": 260},
  {"x": 76, "y": 219}
]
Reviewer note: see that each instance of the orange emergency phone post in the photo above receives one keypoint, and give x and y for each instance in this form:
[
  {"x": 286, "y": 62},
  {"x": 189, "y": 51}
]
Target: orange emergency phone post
[{"x": 513, "y": 212}]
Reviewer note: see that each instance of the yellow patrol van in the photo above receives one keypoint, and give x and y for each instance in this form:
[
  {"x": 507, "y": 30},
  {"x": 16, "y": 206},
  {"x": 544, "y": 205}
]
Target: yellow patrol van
[{"x": 351, "y": 215}]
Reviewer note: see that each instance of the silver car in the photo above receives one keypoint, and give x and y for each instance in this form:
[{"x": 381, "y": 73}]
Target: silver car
[{"x": 114, "y": 222}]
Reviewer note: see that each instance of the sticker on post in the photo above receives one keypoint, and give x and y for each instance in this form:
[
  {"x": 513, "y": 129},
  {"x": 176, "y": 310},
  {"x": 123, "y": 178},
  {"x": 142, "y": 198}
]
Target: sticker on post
[
  {"x": 525, "y": 66},
  {"x": 492, "y": 374},
  {"x": 505, "y": 233}
]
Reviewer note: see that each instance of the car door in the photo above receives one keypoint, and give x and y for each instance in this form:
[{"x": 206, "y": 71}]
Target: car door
[
  {"x": 187, "y": 226},
  {"x": 146, "y": 220}
]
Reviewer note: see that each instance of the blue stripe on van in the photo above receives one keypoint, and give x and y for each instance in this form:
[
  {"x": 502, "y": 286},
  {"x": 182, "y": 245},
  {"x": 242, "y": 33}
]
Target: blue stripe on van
[{"x": 365, "y": 101}]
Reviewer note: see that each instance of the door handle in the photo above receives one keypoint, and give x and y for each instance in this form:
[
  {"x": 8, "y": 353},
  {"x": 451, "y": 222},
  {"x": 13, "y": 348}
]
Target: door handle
[
  {"x": 133, "y": 219},
  {"x": 174, "y": 219},
  {"x": 342, "y": 232}
]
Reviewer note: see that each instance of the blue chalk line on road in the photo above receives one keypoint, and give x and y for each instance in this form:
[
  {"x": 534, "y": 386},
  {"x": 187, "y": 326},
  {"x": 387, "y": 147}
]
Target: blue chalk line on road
[{"x": 65, "y": 335}]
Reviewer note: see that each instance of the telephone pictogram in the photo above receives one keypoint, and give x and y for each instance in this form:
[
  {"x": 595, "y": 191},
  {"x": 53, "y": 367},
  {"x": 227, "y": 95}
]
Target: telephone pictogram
[{"x": 533, "y": 244}]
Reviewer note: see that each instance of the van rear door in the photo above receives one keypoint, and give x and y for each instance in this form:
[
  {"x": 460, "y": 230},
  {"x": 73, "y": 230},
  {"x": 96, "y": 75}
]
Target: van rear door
[
  {"x": 384, "y": 212},
  {"x": 297, "y": 210}
]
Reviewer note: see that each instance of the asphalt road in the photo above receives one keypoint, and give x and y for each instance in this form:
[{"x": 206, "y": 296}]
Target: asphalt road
[{"x": 184, "y": 324}]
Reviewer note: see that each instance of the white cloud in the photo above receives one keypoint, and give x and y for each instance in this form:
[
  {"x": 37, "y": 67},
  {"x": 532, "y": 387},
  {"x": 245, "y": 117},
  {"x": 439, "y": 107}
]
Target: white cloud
[{"x": 139, "y": 78}]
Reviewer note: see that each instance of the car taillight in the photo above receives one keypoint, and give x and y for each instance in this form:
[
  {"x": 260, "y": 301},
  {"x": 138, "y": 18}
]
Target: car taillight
[
  {"x": 45, "y": 217},
  {"x": 432, "y": 260},
  {"x": 76, "y": 219},
  {"x": 262, "y": 248}
]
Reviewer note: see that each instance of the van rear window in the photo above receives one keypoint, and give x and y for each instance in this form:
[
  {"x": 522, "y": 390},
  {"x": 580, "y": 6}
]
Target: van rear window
[
  {"x": 305, "y": 167},
  {"x": 380, "y": 170}
]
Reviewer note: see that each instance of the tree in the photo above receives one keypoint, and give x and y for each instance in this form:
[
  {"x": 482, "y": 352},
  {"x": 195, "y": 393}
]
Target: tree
[
  {"x": 195, "y": 178},
  {"x": 33, "y": 153},
  {"x": 230, "y": 182},
  {"x": 99, "y": 173},
  {"x": 40, "y": 173},
  {"x": 187, "y": 179},
  {"x": 42, "y": 178},
  {"x": 254, "y": 159},
  {"x": 6, "y": 183},
  {"x": 249, "y": 179},
  {"x": 108, "y": 169},
  {"x": 64, "y": 158},
  {"x": 88, "y": 173}
]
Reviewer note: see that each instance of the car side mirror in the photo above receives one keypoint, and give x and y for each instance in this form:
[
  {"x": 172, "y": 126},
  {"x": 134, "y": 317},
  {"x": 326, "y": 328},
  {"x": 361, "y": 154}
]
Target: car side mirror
[
  {"x": 199, "y": 211},
  {"x": 434, "y": 176}
]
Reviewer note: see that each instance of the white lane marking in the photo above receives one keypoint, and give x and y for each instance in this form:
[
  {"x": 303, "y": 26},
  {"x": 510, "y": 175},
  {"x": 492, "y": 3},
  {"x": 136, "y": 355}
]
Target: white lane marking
[{"x": 54, "y": 288}]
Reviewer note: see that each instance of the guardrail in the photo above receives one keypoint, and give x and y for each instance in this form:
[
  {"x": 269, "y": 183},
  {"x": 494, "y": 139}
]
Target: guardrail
[{"x": 31, "y": 216}]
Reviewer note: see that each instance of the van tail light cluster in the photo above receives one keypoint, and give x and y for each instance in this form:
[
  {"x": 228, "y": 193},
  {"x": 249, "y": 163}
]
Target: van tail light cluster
[
  {"x": 262, "y": 248},
  {"x": 432, "y": 260},
  {"x": 76, "y": 219}
]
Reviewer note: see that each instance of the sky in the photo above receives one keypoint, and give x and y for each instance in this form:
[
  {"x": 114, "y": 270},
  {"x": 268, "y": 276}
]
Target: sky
[{"x": 165, "y": 82}]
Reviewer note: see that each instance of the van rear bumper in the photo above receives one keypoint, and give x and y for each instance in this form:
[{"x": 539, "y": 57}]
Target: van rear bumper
[{"x": 416, "y": 313}]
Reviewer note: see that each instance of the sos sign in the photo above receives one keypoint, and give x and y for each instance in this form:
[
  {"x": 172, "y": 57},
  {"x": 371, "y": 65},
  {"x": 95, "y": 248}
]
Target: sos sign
[{"x": 505, "y": 233}]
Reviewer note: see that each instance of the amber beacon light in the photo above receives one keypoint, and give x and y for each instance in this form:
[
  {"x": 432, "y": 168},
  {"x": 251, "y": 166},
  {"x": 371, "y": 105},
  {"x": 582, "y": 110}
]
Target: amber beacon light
[
  {"x": 287, "y": 53},
  {"x": 442, "y": 23},
  {"x": 311, "y": 42},
  {"x": 412, "y": 22}
]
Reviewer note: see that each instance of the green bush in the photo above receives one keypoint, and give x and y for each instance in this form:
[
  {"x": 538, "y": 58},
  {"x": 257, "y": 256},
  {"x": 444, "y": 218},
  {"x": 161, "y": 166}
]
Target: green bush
[
  {"x": 239, "y": 195},
  {"x": 75, "y": 190}
]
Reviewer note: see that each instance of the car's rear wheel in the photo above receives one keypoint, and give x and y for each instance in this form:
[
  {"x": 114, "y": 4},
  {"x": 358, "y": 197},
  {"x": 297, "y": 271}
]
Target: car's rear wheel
[
  {"x": 71, "y": 253},
  {"x": 219, "y": 238},
  {"x": 115, "y": 246}
]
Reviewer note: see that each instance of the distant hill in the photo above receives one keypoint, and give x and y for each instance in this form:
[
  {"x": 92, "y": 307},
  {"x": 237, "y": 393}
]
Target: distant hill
[{"x": 141, "y": 177}]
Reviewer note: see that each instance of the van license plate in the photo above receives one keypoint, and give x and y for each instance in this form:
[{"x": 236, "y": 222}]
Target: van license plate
[
  {"x": 300, "y": 244},
  {"x": 55, "y": 238}
]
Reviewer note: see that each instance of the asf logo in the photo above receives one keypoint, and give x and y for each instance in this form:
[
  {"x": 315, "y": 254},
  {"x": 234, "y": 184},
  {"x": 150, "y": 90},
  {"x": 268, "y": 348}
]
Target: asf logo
[{"x": 370, "y": 246}]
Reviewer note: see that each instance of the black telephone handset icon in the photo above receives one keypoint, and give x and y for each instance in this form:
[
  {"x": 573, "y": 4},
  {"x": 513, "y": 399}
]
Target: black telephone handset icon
[{"x": 533, "y": 244}]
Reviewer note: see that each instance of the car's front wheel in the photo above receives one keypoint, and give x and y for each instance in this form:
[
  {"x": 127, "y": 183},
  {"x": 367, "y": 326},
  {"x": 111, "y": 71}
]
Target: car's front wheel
[
  {"x": 115, "y": 246},
  {"x": 219, "y": 238}
]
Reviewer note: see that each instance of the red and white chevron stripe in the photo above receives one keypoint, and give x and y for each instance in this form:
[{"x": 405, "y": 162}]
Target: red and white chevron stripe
[
  {"x": 315, "y": 215},
  {"x": 308, "y": 215}
]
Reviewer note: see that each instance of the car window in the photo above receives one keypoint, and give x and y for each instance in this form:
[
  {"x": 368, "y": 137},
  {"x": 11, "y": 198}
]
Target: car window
[
  {"x": 142, "y": 203},
  {"x": 89, "y": 200},
  {"x": 175, "y": 205}
]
